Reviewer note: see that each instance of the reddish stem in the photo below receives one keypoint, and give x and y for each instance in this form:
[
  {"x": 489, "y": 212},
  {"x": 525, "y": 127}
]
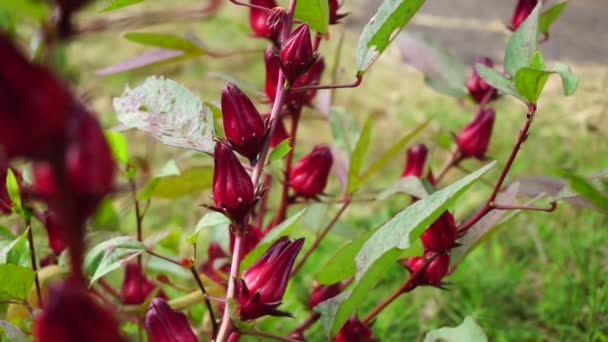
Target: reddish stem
[
  {"x": 199, "y": 282},
  {"x": 525, "y": 207},
  {"x": 354, "y": 84}
]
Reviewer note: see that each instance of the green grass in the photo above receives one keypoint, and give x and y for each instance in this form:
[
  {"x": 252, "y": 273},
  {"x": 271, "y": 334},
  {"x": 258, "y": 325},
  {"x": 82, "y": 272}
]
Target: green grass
[{"x": 542, "y": 277}]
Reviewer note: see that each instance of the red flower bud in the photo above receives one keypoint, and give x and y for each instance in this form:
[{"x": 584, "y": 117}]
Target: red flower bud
[
  {"x": 474, "y": 138},
  {"x": 311, "y": 77},
  {"x": 297, "y": 54},
  {"x": 478, "y": 88},
  {"x": 441, "y": 235},
  {"x": 166, "y": 325},
  {"x": 309, "y": 176},
  {"x": 217, "y": 261},
  {"x": 136, "y": 287},
  {"x": 258, "y": 20},
  {"x": 70, "y": 314},
  {"x": 273, "y": 65},
  {"x": 243, "y": 125},
  {"x": 321, "y": 293},
  {"x": 334, "y": 17},
  {"x": 54, "y": 230},
  {"x": 48, "y": 260},
  {"x": 263, "y": 283},
  {"x": 354, "y": 330},
  {"x": 435, "y": 270},
  {"x": 33, "y": 106},
  {"x": 232, "y": 187},
  {"x": 415, "y": 161},
  {"x": 6, "y": 204},
  {"x": 521, "y": 13},
  {"x": 253, "y": 236}
]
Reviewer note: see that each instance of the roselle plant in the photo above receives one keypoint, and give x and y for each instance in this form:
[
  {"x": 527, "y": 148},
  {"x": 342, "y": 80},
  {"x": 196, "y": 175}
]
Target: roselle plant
[{"x": 63, "y": 172}]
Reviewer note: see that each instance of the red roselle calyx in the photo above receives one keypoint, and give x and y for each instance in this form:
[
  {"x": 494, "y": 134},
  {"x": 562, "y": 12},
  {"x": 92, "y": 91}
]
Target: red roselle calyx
[
  {"x": 474, "y": 138},
  {"x": 435, "y": 271},
  {"x": 309, "y": 176},
  {"x": 334, "y": 16},
  {"x": 297, "y": 54},
  {"x": 321, "y": 293},
  {"x": 166, "y": 325},
  {"x": 136, "y": 287},
  {"x": 5, "y": 201},
  {"x": 415, "y": 161},
  {"x": 54, "y": 230},
  {"x": 217, "y": 264},
  {"x": 243, "y": 124},
  {"x": 263, "y": 284},
  {"x": 522, "y": 11},
  {"x": 259, "y": 20},
  {"x": 441, "y": 235},
  {"x": 354, "y": 330},
  {"x": 71, "y": 315},
  {"x": 478, "y": 88},
  {"x": 232, "y": 188},
  {"x": 273, "y": 66}
]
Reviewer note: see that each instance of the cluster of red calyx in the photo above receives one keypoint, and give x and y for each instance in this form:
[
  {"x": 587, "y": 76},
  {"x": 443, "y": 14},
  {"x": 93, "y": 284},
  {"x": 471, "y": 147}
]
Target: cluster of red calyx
[
  {"x": 164, "y": 324},
  {"x": 261, "y": 23},
  {"x": 73, "y": 170},
  {"x": 263, "y": 284},
  {"x": 309, "y": 176},
  {"x": 321, "y": 293},
  {"x": 521, "y": 13},
  {"x": 478, "y": 88},
  {"x": 5, "y": 201},
  {"x": 474, "y": 139},
  {"x": 354, "y": 330}
]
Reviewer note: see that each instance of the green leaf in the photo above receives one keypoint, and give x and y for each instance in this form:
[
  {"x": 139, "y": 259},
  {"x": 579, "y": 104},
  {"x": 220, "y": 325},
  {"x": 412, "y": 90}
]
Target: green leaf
[
  {"x": 116, "y": 4},
  {"x": 523, "y": 43},
  {"x": 410, "y": 185},
  {"x": 442, "y": 71},
  {"x": 569, "y": 80},
  {"x": 588, "y": 189},
  {"x": 467, "y": 331},
  {"x": 16, "y": 281},
  {"x": 388, "y": 243},
  {"x": 17, "y": 252},
  {"x": 498, "y": 81},
  {"x": 393, "y": 151},
  {"x": 12, "y": 187},
  {"x": 530, "y": 83},
  {"x": 12, "y": 332},
  {"x": 548, "y": 17},
  {"x": 106, "y": 217},
  {"x": 281, "y": 230},
  {"x": 110, "y": 255},
  {"x": 211, "y": 219},
  {"x": 193, "y": 180},
  {"x": 32, "y": 9},
  {"x": 358, "y": 156},
  {"x": 165, "y": 41},
  {"x": 313, "y": 12},
  {"x": 280, "y": 151},
  {"x": 118, "y": 145},
  {"x": 169, "y": 112},
  {"x": 344, "y": 128},
  {"x": 384, "y": 26},
  {"x": 340, "y": 265}
]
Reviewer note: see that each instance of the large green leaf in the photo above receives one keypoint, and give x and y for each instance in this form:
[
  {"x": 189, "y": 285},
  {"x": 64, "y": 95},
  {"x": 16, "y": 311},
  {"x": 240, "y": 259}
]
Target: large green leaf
[
  {"x": 344, "y": 128},
  {"x": 548, "y": 17},
  {"x": 168, "y": 112},
  {"x": 523, "y": 43},
  {"x": 315, "y": 13},
  {"x": 467, "y": 331},
  {"x": 281, "y": 230},
  {"x": 384, "y": 26},
  {"x": 211, "y": 219},
  {"x": 165, "y": 41},
  {"x": 16, "y": 252},
  {"x": 498, "y": 81},
  {"x": 189, "y": 181},
  {"x": 340, "y": 265},
  {"x": 387, "y": 244},
  {"x": 358, "y": 156},
  {"x": 16, "y": 281},
  {"x": 110, "y": 255}
]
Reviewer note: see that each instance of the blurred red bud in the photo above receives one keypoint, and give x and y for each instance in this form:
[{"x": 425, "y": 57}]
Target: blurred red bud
[
  {"x": 136, "y": 287},
  {"x": 232, "y": 187},
  {"x": 259, "y": 20},
  {"x": 217, "y": 261},
  {"x": 6, "y": 204},
  {"x": 70, "y": 314},
  {"x": 478, "y": 88},
  {"x": 263, "y": 283},
  {"x": 435, "y": 271},
  {"x": 441, "y": 235},
  {"x": 296, "y": 53},
  {"x": 243, "y": 124},
  {"x": 54, "y": 230},
  {"x": 166, "y": 325},
  {"x": 354, "y": 331},
  {"x": 415, "y": 161},
  {"x": 309, "y": 176},
  {"x": 322, "y": 293},
  {"x": 273, "y": 66},
  {"x": 474, "y": 138},
  {"x": 521, "y": 13},
  {"x": 334, "y": 16}
]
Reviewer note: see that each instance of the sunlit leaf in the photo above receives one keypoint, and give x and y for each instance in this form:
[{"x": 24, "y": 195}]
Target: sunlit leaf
[
  {"x": 313, "y": 12},
  {"x": 550, "y": 15},
  {"x": 118, "y": 145},
  {"x": 211, "y": 219},
  {"x": 110, "y": 255},
  {"x": 16, "y": 281},
  {"x": 523, "y": 43},
  {"x": 280, "y": 151}
]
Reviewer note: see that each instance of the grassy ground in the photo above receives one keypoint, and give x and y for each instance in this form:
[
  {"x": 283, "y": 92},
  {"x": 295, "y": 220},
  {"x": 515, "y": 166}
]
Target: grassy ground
[{"x": 541, "y": 278}]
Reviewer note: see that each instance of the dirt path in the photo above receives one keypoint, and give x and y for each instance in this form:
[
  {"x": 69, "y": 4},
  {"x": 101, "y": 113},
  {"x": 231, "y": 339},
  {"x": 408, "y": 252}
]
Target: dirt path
[{"x": 476, "y": 27}]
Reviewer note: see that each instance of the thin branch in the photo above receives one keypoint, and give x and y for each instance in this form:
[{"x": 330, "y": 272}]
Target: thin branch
[
  {"x": 354, "y": 84},
  {"x": 267, "y": 335},
  {"x": 321, "y": 236},
  {"x": 525, "y": 207},
  {"x": 206, "y": 296},
  {"x": 152, "y": 253},
  {"x": 30, "y": 238}
]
